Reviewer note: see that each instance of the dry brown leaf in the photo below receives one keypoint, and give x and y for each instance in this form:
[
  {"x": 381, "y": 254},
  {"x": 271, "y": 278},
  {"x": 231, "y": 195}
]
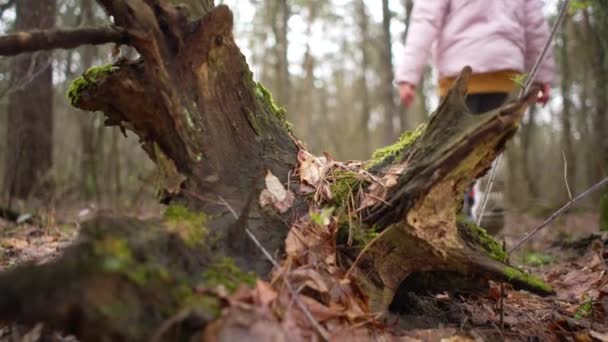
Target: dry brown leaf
[
  {"x": 276, "y": 195},
  {"x": 294, "y": 243},
  {"x": 310, "y": 171},
  {"x": 310, "y": 278},
  {"x": 602, "y": 337},
  {"x": 275, "y": 187},
  {"x": 14, "y": 243},
  {"x": 284, "y": 205},
  {"x": 319, "y": 311},
  {"x": 377, "y": 191},
  {"x": 264, "y": 293}
]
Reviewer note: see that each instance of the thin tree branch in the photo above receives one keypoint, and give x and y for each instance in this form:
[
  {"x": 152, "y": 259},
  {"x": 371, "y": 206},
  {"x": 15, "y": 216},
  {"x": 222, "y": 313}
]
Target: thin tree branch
[
  {"x": 320, "y": 330},
  {"x": 558, "y": 213},
  {"x": 560, "y": 19},
  {"x": 525, "y": 89},
  {"x": 21, "y": 42}
]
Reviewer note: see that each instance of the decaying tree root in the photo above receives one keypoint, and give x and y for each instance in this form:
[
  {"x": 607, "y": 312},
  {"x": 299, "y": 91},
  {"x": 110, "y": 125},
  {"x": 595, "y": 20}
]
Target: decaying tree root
[
  {"x": 214, "y": 133},
  {"x": 418, "y": 224}
]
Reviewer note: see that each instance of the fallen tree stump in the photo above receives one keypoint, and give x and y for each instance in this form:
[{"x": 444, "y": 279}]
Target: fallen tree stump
[{"x": 227, "y": 161}]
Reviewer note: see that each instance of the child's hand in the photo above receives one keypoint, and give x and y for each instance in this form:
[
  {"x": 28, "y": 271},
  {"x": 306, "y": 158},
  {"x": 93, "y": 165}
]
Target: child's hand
[
  {"x": 544, "y": 94},
  {"x": 407, "y": 93}
]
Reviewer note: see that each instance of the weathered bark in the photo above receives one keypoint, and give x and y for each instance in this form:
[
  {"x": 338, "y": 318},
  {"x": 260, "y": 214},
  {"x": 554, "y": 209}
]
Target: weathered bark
[
  {"x": 214, "y": 133},
  {"x": 66, "y": 39},
  {"x": 417, "y": 221},
  {"x": 191, "y": 90},
  {"x": 30, "y": 111}
]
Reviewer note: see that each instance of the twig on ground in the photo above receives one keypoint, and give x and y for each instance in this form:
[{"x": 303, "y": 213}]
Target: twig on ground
[
  {"x": 488, "y": 189},
  {"x": 320, "y": 330},
  {"x": 524, "y": 90},
  {"x": 566, "y": 175},
  {"x": 223, "y": 201},
  {"x": 558, "y": 213}
]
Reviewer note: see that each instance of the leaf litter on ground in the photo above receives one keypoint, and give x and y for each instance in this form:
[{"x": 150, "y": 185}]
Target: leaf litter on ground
[{"x": 268, "y": 310}]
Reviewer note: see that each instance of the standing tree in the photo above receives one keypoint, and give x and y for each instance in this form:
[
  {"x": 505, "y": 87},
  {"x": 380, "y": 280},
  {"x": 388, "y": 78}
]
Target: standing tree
[
  {"x": 365, "y": 106},
  {"x": 30, "y": 110},
  {"x": 567, "y": 144},
  {"x": 388, "y": 98},
  {"x": 226, "y": 153},
  {"x": 280, "y": 17}
]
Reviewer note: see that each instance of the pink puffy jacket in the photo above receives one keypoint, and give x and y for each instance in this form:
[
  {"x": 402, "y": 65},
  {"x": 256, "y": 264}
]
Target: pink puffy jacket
[{"x": 488, "y": 35}]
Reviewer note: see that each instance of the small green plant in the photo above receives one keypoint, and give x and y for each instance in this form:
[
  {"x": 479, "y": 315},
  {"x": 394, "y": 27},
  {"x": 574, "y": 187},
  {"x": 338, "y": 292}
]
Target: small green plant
[
  {"x": 519, "y": 79},
  {"x": 585, "y": 309},
  {"x": 538, "y": 259},
  {"x": 604, "y": 213},
  {"x": 321, "y": 218}
]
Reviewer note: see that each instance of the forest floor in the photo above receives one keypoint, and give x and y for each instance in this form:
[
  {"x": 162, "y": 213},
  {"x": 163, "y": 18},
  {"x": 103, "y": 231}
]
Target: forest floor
[{"x": 563, "y": 254}]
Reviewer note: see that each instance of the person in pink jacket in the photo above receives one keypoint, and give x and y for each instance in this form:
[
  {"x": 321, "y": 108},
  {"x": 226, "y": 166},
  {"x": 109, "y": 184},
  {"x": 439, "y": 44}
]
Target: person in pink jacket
[{"x": 499, "y": 39}]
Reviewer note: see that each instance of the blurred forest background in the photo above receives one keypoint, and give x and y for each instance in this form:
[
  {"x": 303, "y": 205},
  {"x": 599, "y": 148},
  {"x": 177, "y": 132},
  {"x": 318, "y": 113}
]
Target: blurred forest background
[{"x": 330, "y": 64}]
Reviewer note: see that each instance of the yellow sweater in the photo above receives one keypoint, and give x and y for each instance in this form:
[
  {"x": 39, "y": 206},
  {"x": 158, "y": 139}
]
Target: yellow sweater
[{"x": 490, "y": 82}]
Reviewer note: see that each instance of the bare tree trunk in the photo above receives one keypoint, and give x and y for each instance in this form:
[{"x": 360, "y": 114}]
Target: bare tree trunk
[
  {"x": 388, "y": 98},
  {"x": 403, "y": 117},
  {"x": 600, "y": 95},
  {"x": 282, "y": 13},
  {"x": 528, "y": 128},
  {"x": 304, "y": 103},
  {"x": 89, "y": 151},
  {"x": 30, "y": 110},
  {"x": 365, "y": 102},
  {"x": 566, "y": 81}
]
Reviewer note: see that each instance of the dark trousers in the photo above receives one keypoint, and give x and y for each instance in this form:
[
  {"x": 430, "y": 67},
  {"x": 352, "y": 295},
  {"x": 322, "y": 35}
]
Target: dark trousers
[
  {"x": 478, "y": 104},
  {"x": 481, "y": 103}
]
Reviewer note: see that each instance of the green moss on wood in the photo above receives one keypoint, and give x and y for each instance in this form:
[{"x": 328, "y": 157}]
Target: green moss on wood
[
  {"x": 264, "y": 96},
  {"x": 187, "y": 297},
  {"x": 395, "y": 151},
  {"x": 604, "y": 213},
  {"x": 362, "y": 235},
  {"x": 90, "y": 77},
  {"x": 344, "y": 184},
  {"x": 534, "y": 282},
  {"x": 481, "y": 238},
  {"x": 117, "y": 257},
  {"x": 225, "y": 272},
  {"x": 189, "y": 225}
]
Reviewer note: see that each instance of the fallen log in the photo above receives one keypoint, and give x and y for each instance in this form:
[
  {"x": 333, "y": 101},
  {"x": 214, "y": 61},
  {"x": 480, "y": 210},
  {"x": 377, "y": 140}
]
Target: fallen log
[{"x": 226, "y": 156}]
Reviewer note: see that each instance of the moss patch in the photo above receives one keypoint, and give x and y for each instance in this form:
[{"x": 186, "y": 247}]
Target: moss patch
[
  {"x": 515, "y": 274},
  {"x": 481, "y": 238},
  {"x": 345, "y": 183},
  {"x": 90, "y": 77},
  {"x": 117, "y": 257},
  {"x": 362, "y": 235},
  {"x": 538, "y": 259},
  {"x": 264, "y": 96},
  {"x": 189, "y": 225},
  {"x": 225, "y": 272},
  {"x": 395, "y": 151},
  {"x": 604, "y": 213}
]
